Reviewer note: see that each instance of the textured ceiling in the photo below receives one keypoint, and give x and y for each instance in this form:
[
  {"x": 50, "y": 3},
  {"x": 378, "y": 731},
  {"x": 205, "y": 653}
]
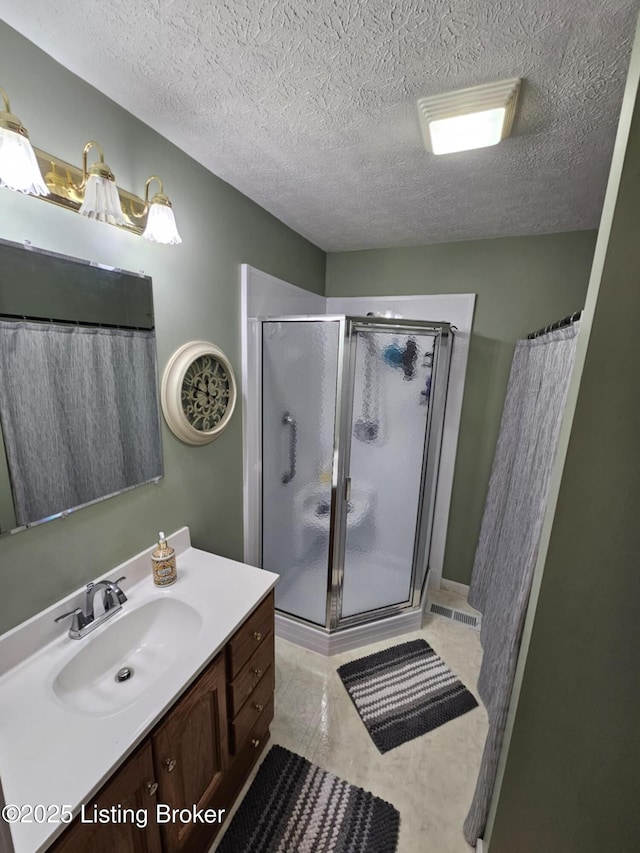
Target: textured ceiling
[{"x": 308, "y": 106}]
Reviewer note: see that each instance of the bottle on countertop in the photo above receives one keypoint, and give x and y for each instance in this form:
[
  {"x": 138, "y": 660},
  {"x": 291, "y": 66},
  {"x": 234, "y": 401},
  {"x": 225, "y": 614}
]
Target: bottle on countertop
[{"x": 163, "y": 560}]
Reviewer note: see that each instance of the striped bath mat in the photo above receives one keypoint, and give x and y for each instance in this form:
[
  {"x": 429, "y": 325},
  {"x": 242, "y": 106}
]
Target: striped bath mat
[
  {"x": 293, "y": 805},
  {"x": 404, "y": 692}
]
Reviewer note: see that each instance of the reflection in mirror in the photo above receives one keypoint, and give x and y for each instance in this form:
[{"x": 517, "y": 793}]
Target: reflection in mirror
[{"x": 79, "y": 414}]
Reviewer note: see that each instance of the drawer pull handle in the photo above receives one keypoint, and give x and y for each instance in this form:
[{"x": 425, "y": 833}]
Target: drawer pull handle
[
  {"x": 257, "y": 672},
  {"x": 258, "y": 707},
  {"x": 151, "y": 787},
  {"x": 169, "y": 764},
  {"x": 257, "y": 636},
  {"x": 255, "y": 742}
]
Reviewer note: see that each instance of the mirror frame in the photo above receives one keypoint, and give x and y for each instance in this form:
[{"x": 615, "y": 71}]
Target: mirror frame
[{"x": 26, "y": 246}]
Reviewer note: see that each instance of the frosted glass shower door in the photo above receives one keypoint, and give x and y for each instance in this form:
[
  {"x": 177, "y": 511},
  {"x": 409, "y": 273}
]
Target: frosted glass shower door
[
  {"x": 299, "y": 382},
  {"x": 391, "y": 393}
]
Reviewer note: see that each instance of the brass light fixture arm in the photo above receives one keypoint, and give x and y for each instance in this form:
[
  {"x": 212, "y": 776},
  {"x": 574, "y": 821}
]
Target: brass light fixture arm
[
  {"x": 7, "y": 120},
  {"x": 158, "y": 198},
  {"x": 99, "y": 168},
  {"x": 5, "y": 98}
]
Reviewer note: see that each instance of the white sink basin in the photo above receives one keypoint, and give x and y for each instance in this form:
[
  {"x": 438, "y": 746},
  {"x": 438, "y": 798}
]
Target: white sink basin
[{"x": 146, "y": 640}]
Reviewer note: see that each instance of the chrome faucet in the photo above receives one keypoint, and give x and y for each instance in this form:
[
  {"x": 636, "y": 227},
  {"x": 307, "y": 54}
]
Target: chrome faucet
[{"x": 83, "y": 620}]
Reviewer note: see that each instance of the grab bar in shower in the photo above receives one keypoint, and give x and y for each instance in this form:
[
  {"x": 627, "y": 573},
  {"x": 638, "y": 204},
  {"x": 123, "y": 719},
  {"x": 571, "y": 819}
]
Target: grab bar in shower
[{"x": 290, "y": 421}]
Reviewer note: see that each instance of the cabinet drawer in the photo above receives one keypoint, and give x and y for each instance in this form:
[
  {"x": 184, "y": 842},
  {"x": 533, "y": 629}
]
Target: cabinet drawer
[
  {"x": 247, "y": 638},
  {"x": 258, "y": 735},
  {"x": 252, "y": 708},
  {"x": 250, "y": 675},
  {"x": 244, "y": 760}
]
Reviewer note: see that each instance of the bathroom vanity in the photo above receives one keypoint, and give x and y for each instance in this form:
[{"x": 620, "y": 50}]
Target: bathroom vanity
[{"x": 155, "y": 762}]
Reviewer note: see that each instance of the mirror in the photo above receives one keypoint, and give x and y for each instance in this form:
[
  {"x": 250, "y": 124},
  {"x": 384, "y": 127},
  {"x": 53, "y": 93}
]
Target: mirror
[{"x": 79, "y": 412}]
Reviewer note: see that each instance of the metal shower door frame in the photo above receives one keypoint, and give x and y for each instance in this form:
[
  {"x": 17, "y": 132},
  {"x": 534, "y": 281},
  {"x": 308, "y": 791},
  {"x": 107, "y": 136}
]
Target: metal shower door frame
[
  {"x": 430, "y": 465},
  {"x": 347, "y": 343},
  {"x": 333, "y": 530}
]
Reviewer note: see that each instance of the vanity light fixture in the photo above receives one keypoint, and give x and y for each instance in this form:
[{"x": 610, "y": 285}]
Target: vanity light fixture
[
  {"x": 161, "y": 223},
  {"x": 468, "y": 118},
  {"x": 18, "y": 165},
  {"x": 88, "y": 190},
  {"x": 101, "y": 200}
]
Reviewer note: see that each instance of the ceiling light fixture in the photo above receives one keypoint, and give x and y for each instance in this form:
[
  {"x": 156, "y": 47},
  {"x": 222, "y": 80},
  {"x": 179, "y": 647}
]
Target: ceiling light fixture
[
  {"x": 101, "y": 200},
  {"x": 18, "y": 165},
  {"x": 161, "y": 223},
  {"x": 469, "y": 118}
]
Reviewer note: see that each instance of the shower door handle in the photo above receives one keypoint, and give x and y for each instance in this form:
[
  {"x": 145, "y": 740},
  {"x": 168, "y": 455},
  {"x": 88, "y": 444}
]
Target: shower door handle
[
  {"x": 289, "y": 421},
  {"x": 347, "y": 489}
]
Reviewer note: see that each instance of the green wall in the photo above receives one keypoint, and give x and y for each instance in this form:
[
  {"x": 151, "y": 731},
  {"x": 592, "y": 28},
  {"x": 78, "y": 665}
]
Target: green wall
[
  {"x": 522, "y": 284},
  {"x": 196, "y": 296},
  {"x": 572, "y": 772}
]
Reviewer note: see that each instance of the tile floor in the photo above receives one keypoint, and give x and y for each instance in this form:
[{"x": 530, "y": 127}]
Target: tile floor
[{"x": 431, "y": 779}]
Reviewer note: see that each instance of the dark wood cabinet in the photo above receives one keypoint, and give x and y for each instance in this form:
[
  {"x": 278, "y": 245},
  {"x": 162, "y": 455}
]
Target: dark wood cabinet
[
  {"x": 247, "y": 680},
  {"x": 250, "y": 686},
  {"x": 250, "y": 673},
  {"x": 196, "y": 759},
  {"x": 122, "y": 815},
  {"x": 191, "y": 756},
  {"x": 250, "y": 636}
]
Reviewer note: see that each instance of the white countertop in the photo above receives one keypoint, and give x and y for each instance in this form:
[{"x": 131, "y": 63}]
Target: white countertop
[{"x": 50, "y": 755}]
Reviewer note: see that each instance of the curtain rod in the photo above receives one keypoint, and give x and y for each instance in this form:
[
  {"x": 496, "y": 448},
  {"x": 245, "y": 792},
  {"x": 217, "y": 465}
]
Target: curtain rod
[
  {"x": 559, "y": 324},
  {"x": 83, "y": 323}
]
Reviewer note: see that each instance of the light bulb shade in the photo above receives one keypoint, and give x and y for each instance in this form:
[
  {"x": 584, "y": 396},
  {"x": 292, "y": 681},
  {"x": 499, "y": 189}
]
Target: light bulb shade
[
  {"x": 463, "y": 133},
  {"x": 101, "y": 201},
  {"x": 468, "y": 118},
  {"x": 19, "y": 168},
  {"x": 161, "y": 225}
]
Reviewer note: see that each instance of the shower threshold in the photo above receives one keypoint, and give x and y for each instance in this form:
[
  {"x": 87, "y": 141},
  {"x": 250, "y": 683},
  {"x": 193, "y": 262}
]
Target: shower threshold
[{"x": 332, "y": 643}]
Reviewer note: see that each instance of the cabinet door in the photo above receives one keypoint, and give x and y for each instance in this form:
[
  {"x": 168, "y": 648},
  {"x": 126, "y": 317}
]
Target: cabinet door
[
  {"x": 190, "y": 753},
  {"x": 127, "y": 802}
]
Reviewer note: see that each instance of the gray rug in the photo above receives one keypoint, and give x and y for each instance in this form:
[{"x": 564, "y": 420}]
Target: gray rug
[
  {"x": 404, "y": 692},
  {"x": 294, "y": 806}
]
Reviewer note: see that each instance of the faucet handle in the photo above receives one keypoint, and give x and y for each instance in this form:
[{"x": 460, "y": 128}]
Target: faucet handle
[
  {"x": 78, "y": 620},
  {"x": 73, "y": 612},
  {"x": 113, "y": 596},
  {"x": 121, "y": 596}
]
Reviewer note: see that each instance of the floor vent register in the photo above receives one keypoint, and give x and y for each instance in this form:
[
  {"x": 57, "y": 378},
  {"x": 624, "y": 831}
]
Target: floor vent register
[{"x": 468, "y": 619}]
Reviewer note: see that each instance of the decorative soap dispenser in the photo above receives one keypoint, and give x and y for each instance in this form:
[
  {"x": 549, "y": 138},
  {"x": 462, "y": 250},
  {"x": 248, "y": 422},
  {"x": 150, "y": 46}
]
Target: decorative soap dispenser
[{"x": 163, "y": 560}]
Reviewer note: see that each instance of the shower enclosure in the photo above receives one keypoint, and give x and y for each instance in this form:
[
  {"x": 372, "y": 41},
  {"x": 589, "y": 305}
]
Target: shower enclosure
[{"x": 352, "y": 420}]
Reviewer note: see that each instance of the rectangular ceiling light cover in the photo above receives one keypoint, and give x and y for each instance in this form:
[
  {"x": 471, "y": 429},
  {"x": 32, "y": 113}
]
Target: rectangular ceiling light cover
[{"x": 469, "y": 118}]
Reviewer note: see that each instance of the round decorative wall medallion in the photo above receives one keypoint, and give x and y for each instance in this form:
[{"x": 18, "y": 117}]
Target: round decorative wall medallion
[{"x": 198, "y": 392}]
